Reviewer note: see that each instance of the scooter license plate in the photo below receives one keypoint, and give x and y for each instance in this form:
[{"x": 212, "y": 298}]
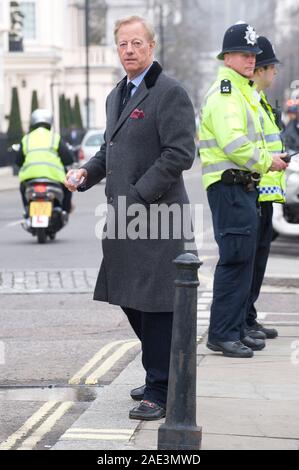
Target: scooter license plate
[
  {"x": 40, "y": 221},
  {"x": 40, "y": 209}
]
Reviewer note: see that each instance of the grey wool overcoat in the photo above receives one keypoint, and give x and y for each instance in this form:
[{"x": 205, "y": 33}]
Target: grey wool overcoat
[{"x": 145, "y": 152}]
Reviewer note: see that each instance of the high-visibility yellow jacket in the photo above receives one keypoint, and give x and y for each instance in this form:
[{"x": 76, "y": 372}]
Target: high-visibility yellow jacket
[
  {"x": 272, "y": 186},
  {"x": 40, "y": 148},
  {"x": 230, "y": 131}
]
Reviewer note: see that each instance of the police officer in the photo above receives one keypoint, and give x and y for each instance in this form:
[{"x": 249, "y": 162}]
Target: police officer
[
  {"x": 272, "y": 187},
  {"x": 234, "y": 154},
  {"x": 43, "y": 154}
]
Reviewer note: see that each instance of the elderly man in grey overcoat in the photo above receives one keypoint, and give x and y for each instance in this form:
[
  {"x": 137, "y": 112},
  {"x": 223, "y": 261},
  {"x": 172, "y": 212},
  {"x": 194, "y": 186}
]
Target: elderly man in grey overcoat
[{"x": 149, "y": 142}]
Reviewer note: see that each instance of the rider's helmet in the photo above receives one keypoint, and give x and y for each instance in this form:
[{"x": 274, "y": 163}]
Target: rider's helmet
[{"x": 41, "y": 117}]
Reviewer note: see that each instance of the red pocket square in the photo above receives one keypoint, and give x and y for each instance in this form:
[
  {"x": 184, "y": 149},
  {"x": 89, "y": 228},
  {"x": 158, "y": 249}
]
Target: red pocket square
[{"x": 137, "y": 114}]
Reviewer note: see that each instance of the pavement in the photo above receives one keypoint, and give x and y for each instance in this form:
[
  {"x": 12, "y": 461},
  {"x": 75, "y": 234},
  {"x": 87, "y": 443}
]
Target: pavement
[{"x": 244, "y": 404}]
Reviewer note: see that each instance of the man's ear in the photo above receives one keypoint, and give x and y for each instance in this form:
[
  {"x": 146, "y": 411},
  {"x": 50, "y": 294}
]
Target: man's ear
[{"x": 152, "y": 45}]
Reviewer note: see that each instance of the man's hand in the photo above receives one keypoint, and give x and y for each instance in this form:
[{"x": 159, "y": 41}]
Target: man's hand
[
  {"x": 75, "y": 178},
  {"x": 278, "y": 164}
]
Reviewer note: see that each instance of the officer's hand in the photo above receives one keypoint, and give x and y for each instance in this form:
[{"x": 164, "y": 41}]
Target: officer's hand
[
  {"x": 278, "y": 164},
  {"x": 75, "y": 178}
]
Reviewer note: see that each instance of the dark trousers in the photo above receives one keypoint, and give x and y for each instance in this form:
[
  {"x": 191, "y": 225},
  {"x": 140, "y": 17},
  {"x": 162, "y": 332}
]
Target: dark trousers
[
  {"x": 264, "y": 238},
  {"x": 66, "y": 203},
  {"x": 235, "y": 221},
  {"x": 154, "y": 331}
]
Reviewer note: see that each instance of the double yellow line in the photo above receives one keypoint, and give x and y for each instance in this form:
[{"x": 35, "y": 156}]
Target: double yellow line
[
  {"x": 93, "y": 378},
  {"x": 53, "y": 411},
  {"x": 30, "y": 442}
]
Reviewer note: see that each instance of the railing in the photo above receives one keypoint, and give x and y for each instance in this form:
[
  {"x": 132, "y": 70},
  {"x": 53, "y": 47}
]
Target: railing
[{"x": 98, "y": 56}]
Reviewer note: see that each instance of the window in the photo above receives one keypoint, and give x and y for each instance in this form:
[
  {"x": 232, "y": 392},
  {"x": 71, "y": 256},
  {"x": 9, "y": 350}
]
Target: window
[
  {"x": 29, "y": 22},
  {"x": 95, "y": 140}
]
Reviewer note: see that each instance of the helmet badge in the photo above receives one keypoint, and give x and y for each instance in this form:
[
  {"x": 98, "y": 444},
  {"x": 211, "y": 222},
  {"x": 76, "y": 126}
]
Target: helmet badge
[{"x": 251, "y": 35}]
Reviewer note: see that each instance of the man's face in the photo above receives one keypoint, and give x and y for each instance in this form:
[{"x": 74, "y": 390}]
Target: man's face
[
  {"x": 241, "y": 62},
  {"x": 267, "y": 75},
  {"x": 134, "y": 48}
]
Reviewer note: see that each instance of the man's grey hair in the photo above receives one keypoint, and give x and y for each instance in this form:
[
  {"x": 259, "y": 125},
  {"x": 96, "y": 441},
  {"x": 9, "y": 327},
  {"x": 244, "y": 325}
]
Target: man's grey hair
[{"x": 135, "y": 19}]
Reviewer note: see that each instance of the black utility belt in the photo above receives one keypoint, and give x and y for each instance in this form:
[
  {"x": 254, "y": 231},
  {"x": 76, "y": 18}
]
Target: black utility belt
[{"x": 240, "y": 177}]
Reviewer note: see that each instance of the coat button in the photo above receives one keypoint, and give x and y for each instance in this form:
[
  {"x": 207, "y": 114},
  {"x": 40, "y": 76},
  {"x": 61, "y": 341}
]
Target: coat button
[
  {"x": 110, "y": 199},
  {"x": 111, "y": 144},
  {"x": 109, "y": 172}
]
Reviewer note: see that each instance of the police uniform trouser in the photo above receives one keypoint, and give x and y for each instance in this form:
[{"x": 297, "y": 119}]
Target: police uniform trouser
[
  {"x": 235, "y": 222},
  {"x": 264, "y": 238},
  {"x": 154, "y": 331}
]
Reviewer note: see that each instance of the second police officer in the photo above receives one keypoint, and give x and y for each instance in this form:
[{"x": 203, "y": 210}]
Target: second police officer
[
  {"x": 272, "y": 187},
  {"x": 234, "y": 155}
]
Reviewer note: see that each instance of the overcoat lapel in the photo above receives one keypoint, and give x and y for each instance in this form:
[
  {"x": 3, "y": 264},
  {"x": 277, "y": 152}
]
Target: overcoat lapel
[
  {"x": 141, "y": 93},
  {"x": 114, "y": 103},
  {"x": 113, "y": 122}
]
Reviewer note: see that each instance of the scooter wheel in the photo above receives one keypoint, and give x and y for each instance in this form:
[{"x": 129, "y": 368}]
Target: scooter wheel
[
  {"x": 41, "y": 236},
  {"x": 52, "y": 236}
]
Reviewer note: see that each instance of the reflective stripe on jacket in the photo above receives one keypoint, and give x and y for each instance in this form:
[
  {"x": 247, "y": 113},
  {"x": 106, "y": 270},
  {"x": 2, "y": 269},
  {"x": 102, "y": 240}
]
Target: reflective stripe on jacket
[
  {"x": 40, "y": 148},
  {"x": 230, "y": 130},
  {"x": 272, "y": 186}
]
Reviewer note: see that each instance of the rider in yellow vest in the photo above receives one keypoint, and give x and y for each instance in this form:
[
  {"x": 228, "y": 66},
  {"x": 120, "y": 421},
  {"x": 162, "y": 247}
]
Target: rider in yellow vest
[
  {"x": 234, "y": 154},
  {"x": 43, "y": 154},
  {"x": 272, "y": 187}
]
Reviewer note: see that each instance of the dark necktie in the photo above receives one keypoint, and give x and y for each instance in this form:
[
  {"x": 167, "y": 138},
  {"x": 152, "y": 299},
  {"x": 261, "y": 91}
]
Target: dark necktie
[{"x": 125, "y": 97}]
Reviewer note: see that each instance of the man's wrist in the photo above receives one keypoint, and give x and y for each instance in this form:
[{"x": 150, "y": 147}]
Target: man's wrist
[{"x": 85, "y": 174}]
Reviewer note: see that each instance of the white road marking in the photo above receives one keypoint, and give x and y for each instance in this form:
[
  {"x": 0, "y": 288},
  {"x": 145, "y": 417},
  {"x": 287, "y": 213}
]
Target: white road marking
[
  {"x": 202, "y": 323},
  {"x": 14, "y": 224},
  {"x": 207, "y": 258},
  {"x": 97, "y": 437},
  {"x": 201, "y": 308},
  {"x": 203, "y": 315},
  {"x": 28, "y": 425},
  {"x": 99, "y": 434},
  {"x": 204, "y": 300},
  {"x": 109, "y": 363},
  {"x": 204, "y": 277},
  {"x": 76, "y": 379},
  {"x": 46, "y": 427},
  {"x": 262, "y": 315},
  {"x": 207, "y": 294}
]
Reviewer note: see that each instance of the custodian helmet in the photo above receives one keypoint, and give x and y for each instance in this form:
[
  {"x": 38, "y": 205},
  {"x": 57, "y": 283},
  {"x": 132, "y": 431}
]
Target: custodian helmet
[{"x": 241, "y": 37}]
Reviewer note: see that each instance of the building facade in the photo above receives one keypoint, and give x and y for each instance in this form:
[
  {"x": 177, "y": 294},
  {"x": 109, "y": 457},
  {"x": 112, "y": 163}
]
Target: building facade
[{"x": 51, "y": 56}]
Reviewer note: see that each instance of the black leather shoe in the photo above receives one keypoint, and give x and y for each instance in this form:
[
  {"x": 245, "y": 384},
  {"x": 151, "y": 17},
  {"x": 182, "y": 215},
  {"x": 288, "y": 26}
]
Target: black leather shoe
[
  {"x": 255, "y": 334},
  {"x": 147, "y": 411},
  {"x": 254, "y": 344},
  {"x": 270, "y": 333},
  {"x": 230, "y": 348},
  {"x": 138, "y": 393}
]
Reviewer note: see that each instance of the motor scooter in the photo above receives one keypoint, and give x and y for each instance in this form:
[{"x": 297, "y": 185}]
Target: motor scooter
[{"x": 44, "y": 215}]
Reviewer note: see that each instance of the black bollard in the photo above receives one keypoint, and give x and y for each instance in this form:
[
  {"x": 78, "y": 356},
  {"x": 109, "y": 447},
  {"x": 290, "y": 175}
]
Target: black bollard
[{"x": 180, "y": 431}]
